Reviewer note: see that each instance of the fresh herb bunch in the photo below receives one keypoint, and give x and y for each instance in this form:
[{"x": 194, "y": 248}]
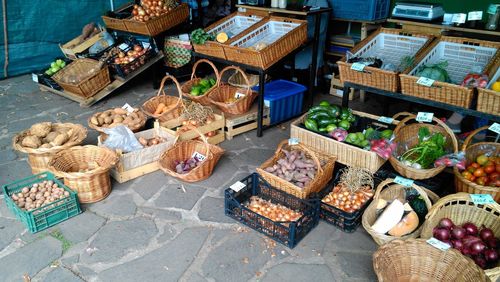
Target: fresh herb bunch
[
  {"x": 430, "y": 147},
  {"x": 199, "y": 36}
]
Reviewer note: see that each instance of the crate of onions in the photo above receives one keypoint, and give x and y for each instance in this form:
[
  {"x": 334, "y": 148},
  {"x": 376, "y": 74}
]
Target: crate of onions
[{"x": 281, "y": 216}]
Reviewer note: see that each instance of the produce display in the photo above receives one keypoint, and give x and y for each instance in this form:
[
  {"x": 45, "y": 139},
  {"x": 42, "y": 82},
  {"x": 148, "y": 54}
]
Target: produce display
[
  {"x": 126, "y": 57},
  {"x": 55, "y": 66},
  {"x": 44, "y": 135},
  {"x": 435, "y": 72},
  {"x": 150, "y": 141},
  {"x": 201, "y": 87},
  {"x": 430, "y": 147},
  {"x": 222, "y": 37},
  {"x": 39, "y": 195},
  {"x": 325, "y": 118},
  {"x": 405, "y": 62},
  {"x": 196, "y": 115},
  {"x": 162, "y": 108},
  {"x": 484, "y": 171},
  {"x": 76, "y": 75},
  {"x": 496, "y": 86},
  {"x": 478, "y": 243},
  {"x": 116, "y": 116},
  {"x": 274, "y": 212},
  {"x": 199, "y": 36},
  {"x": 475, "y": 80},
  {"x": 150, "y": 9},
  {"x": 185, "y": 166}
]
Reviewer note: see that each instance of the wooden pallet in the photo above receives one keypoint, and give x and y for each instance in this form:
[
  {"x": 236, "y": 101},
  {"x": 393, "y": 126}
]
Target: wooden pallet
[
  {"x": 217, "y": 125},
  {"x": 238, "y": 124},
  {"x": 115, "y": 84},
  {"x": 125, "y": 176}
]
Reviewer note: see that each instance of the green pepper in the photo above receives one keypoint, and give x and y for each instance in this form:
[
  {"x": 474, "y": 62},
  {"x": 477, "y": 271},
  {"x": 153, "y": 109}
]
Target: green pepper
[{"x": 311, "y": 124}]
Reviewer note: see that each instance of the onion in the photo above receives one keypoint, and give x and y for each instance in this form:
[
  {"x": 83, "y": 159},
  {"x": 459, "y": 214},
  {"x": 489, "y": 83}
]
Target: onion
[
  {"x": 477, "y": 248},
  {"x": 486, "y": 234},
  {"x": 458, "y": 232},
  {"x": 137, "y": 48},
  {"x": 492, "y": 243},
  {"x": 445, "y": 223},
  {"x": 442, "y": 234},
  {"x": 480, "y": 261},
  {"x": 470, "y": 228},
  {"x": 491, "y": 256},
  {"x": 468, "y": 240},
  {"x": 457, "y": 244}
]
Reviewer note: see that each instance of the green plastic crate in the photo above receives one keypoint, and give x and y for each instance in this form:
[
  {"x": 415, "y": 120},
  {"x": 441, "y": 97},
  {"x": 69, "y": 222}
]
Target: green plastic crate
[{"x": 46, "y": 216}]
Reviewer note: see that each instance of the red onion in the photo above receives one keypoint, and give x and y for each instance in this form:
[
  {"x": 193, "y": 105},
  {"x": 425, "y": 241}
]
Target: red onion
[
  {"x": 468, "y": 240},
  {"x": 465, "y": 252},
  {"x": 486, "y": 234},
  {"x": 458, "y": 232},
  {"x": 457, "y": 244},
  {"x": 442, "y": 234},
  {"x": 490, "y": 256},
  {"x": 480, "y": 261},
  {"x": 470, "y": 228},
  {"x": 492, "y": 243},
  {"x": 477, "y": 248},
  {"x": 446, "y": 223}
]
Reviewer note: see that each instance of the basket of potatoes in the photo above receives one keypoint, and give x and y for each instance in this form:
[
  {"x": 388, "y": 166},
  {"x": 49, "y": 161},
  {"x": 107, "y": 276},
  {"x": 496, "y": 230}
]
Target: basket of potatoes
[
  {"x": 45, "y": 139},
  {"x": 135, "y": 120}
]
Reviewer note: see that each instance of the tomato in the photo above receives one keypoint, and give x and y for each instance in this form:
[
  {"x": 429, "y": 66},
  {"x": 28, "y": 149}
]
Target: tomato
[
  {"x": 467, "y": 175},
  {"x": 481, "y": 180},
  {"x": 496, "y": 183},
  {"x": 475, "y": 165},
  {"x": 479, "y": 172},
  {"x": 498, "y": 168},
  {"x": 482, "y": 159},
  {"x": 470, "y": 169},
  {"x": 489, "y": 169},
  {"x": 490, "y": 162},
  {"x": 494, "y": 176},
  {"x": 472, "y": 178}
]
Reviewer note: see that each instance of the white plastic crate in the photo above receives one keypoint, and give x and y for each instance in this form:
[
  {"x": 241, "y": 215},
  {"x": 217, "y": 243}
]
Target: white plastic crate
[
  {"x": 267, "y": 33},
  {"x": 235, "y": 25}
]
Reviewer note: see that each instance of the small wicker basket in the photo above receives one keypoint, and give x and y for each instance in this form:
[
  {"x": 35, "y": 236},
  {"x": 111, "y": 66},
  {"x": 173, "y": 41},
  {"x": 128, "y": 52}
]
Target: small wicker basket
[
  {"x": 85, "y": 169},
  {"x": 39, "y": 158},
  {"x": 150, "y": 106},
  {"x": 184, "y": 150},
  {"x": 186, "y": 87},
  {"x": 416, "y": 260},
  {"x": 394, "y": 191},
  {"x": 461, "y": 209},
  {"x": 223, "y": 92},
  {"x": 407, "y": 133}
]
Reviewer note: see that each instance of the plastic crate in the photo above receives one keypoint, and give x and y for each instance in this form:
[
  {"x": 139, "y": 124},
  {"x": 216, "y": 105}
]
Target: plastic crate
[
  {"x": 284, "y": 98},
  {"x": 124, "y": 70},
  {"x": 286, "y": 233},
  {"x": 360, "y": 9},
  {"x": 45, "y": 216}
]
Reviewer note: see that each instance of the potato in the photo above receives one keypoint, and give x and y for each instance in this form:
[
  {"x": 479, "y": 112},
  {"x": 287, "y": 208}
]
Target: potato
[
  {"x": 108, "y": 120},
  {"x": 50, "y": 137},
  {"x": 127, "y": 120},
  {"x": 60, "y": 139},
  {"x": 41, "y": 129},
  {"x": 117, "y": 119},
  {"x": 134, "y": 115},
  {"x": 120, "y": 111},
  {"x": 46, "y": 146},
  {"x": 100, "y": 120},
  {"x": 31, "y": 142}
]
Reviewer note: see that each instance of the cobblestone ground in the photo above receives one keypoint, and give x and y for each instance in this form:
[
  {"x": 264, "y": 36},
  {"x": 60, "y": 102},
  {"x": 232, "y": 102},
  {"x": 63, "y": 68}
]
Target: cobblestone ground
[{"x": 150, "y": 229}]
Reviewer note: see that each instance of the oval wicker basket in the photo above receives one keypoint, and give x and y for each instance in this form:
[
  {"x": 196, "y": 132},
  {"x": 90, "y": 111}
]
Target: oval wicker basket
[
  {"x": 186, "y": 87},
  {"x": 183, "y": 150},
  {"x": 138, "y": 127},
  {"x": 223, "y": 92},
  {"x": 471, "y": 153},
  {"x": 460, "y": 209},
  {"x": 416, "y": 260},
  {"x": 407, "y": 134},
  {"x": 395, "y": 191},
  {"x": 85, "y": 169},
  {"x": 176, "y": 103},
  {"x": 39, "y": 158}
]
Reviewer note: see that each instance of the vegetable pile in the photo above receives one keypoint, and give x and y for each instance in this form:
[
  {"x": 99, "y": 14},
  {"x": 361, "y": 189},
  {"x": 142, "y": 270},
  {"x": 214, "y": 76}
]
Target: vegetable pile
[
  {"x": 150, "y": 9},
  {"x": 435, "y": 72},
  {"x": 185, "y": 166},
  {"x": 430, "y": 147},
  {"x": 395, "y": 218},
  {"x": 162, "y": 108},
  {"x": 151, "y": 141},
  {"x": 325, "y": 118},
  {"x": 55, "y": 66},
  {"x": 129, "y": 56},
  {"x": 44, "y": 135},
  {"x": 478, "y": 244},
  {"x": 199, "y": 36},
  {"x": 484, "y": 171},
  {"x": 116, "y": 116},
  {"x": 39, "y": 195},
  {"x": 201, "y": 87},
  {"x": 274, "y": 212}
]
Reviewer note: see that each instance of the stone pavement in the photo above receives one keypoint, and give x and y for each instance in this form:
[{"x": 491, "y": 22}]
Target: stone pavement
[{"x": 156, "y": 228}]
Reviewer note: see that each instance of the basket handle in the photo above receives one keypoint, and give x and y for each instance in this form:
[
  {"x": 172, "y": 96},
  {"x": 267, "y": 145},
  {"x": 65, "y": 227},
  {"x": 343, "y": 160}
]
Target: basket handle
[
  {"x": 414, "y": 186},
  {"x": 458, "y": 197},
  {"x": 396, "y": 116},
  {"x": 205, "y": 140},
  {"x": 161, "y": 90},
  {"x": 303, "y": 148},
  {"x": 195, "y": 66},
  {"x": 238, "y": 69},
  {"x": 469, "y": 138}
]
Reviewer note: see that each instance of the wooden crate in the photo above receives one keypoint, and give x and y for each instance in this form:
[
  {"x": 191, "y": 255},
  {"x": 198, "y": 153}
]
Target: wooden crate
[
  {"x": 238, "y": 124},
  {"x": 217, "y": 125},
  {"x": 70, "y": 49},
  {"x": 336, "y": 85}
]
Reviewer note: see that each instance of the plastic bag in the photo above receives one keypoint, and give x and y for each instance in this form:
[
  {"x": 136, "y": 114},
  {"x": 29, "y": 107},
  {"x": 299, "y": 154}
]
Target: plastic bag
[
  {"x": 452, "y": 160},
  {"x": 383, "y": 147},
  {"x": 103, "y": 43},
  {"x": 121, "y": 138}
]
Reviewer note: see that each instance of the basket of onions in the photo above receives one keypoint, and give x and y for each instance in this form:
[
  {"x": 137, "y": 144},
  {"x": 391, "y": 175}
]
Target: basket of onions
[
  {"x": 472, "y": 229},
  {"x": 126, "y": 61}
]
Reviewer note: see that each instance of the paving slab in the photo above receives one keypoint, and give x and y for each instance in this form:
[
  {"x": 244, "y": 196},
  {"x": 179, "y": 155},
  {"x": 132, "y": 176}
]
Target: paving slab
[
  {"x": 212, "y": 209},
  {"x": 174, "y": 197},
  {"x": 314, "y": 243},
  {"x": 219, "y": 176},
  {"x": 299, "y": 273},
  {"x": 115, "y": 205},
  {"x": 9, "y": 229},
  {"x": 356, "y": 265},
  {"x": 149, "y": 184},
  {"x": 253, "y": 157},
  {"x": 162, "y": 214},
  {"x": 7, "y": 155},
  {"x": 61, "y": 274},
  {"x": 15, "y": 170},
  {"x": 81, "y": 227}
]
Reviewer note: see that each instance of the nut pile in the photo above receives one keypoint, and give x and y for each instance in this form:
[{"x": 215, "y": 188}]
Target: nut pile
[
  {"x": 116, "y": 116},
  {"x": 45, "y": 135},
  {"x": 274, "y": 212},
  {"x": 39, "y": 195}
]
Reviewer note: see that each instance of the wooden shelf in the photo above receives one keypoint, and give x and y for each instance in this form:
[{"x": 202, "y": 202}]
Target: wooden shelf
[{"x": 440, "y": 27}]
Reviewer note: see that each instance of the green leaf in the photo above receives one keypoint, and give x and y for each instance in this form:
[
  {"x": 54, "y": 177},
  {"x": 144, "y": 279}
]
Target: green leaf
[{"x": 423, "y": 132}]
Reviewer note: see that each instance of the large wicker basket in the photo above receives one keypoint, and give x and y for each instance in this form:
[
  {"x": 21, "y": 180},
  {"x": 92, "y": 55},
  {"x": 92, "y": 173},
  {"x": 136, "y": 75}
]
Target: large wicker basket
[
  {"x": 471, "y": 153},
  {"x": 393, "y": 191},
  {"x": 159, "y": 24},
  {"x": 174, "y": 103},
  {"x": 416, "y": 260},
  {"x": 39, "y": 158},
  {"x": 85, "y": 169},
  {"x": 461, "y": 209},
  {"x": 186, "y": 87},
  {"x": 89, "y": 86},
  {"x": 323, "y": 175},
  {"x": 223, "y": 92},
  {"x": 488, "y": 100},
  {"x": 134, "y": 128},
  {"x": 184, "y": 150},
  {"x": 407, "y": 134}
]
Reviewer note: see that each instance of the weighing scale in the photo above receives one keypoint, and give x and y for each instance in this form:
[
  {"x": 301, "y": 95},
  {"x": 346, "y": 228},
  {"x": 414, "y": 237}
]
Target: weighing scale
[{"x": 418, "y": 11}]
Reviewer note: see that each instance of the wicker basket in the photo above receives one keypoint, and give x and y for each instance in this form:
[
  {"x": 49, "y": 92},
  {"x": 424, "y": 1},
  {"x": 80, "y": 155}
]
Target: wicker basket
[
  {"x": 238, "y": 80},
  {"x": 323, "y": 175},
  {"x": 282, "y": 36},
  {"x": 407, "y": 134},
  {"x": 223, "y": 92},
  {"x": 184, "y": 150},
  {"x": 149, "y": 107},
  {"x": 471, "y": 153},
  {"x": 390, "y": 45},
  {"x": 159, "y": 24},
  {"x": 136, "y": 128},
  {"x": 462, "y": 55},
  {"x": 416, "y": 260},
  {"x": 461, "y": 209},
  {"x": 93, "y": 183},
  {"x": 186, "y": 87},
  {"x": 394, "y": 191},
  {"x": 90, "y": 85},
  {"x": 488, "y": 101},
  {"x": 39, "y": 158}
]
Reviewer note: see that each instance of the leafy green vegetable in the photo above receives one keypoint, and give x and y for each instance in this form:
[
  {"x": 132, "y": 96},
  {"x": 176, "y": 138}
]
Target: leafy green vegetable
[
  {"x": 436, "y": 72},
  {"x": 430, "y": 147},
  {"x": 199, "y": 36},
  {"x": 406, "y": 62}
]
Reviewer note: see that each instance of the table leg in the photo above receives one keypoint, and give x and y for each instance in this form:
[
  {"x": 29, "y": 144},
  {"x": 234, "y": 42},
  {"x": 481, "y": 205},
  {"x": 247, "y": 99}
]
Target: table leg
[
  {"x": 314, "y": 62},
  {"x": 345, "y": 97},
  {"x": 260, "y": 110}
]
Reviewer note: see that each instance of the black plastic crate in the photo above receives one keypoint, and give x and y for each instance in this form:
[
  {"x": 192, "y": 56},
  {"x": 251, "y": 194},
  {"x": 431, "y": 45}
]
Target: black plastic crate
[
  {"x": 126, "y": 45},
  {"x": 286, "y": 233},
  {"x": 42, "y": 78}
]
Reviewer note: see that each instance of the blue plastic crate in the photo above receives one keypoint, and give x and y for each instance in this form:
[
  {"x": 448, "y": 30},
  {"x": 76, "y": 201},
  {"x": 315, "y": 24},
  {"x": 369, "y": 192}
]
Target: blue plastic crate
[
  {"x": 284, "y": 99},
  {"x": 369, "y": 10},
  {"x": 286, "y": 233}
]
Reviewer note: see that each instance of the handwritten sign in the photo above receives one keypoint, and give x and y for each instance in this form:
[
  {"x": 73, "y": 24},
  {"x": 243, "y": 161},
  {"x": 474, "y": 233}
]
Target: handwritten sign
[
  {"x": 293, "y": 141},
  {"x": 424, "y": 117},
  {"x": 495, "y": 127},
  {"x": 403, "y": 181},
  {"x": 236, "y": 187},
  {"x": 198, "y": 156},
  {"x": 128, "y": 108},
  {"x": 425, "y": 81},
  {"x": 387, "y": 120},
  {"x": 358, "y": 66},
  {"x": 438, "y": 244},
  {"x": 481, "y": 199}
]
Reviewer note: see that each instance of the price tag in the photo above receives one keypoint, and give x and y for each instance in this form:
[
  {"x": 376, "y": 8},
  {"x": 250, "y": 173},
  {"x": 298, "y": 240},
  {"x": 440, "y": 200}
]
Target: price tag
[
  {"x": 198, "y": 156},
  {"x": 424, "y": 116},
  {"x": 387, "y": 120},
  {"x": 425, "y": 81},
  {"x": 237, "y": 186},
  {"x": 459, "y": 18},
  {"x": 495, "y": 127},
  {"x": 238, "y": 95},
  {"x": 34, "y": 77},
  {"x": 481, "y": 199},
  {"x": 438, "y": 244},
  {"x": 475, "y": 16},
  {"x": 128, "y": 108},
  {"x": 403, "y": 181},
  {"x": 293, "y": 141},
  {"x": 492, "y": 9},
  {"x": 358, "y": 66}
]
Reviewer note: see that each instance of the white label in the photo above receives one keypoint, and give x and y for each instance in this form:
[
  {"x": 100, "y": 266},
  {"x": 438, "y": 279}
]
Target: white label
[
  {"x": 238, "y": 95},
  {"x": 198, "y": 156},
  {"x": 475, "y": 16},
  {"x": 237, "y": 186},
  {"x": 387, "y": 120},
  {"x": 459, "y": 18},
  {"x": 293, "y": 141},
  {"x": 495, "y": 127},
  {"x": 424, "y": 117},
  {"x": 358, "y": 66},
  {"x": 425, "y": 81},
  {"x": 123, "y": 46},
  {"x": 34, "y": 77},
  {"x": 438, "y": 244},
  {"x": 128, "y": 108},
  {"x": 492, "y": 9},
  {"x": 481, "y": 199},
  {"x": 403, "y": 181}
]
